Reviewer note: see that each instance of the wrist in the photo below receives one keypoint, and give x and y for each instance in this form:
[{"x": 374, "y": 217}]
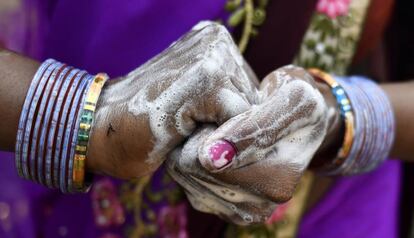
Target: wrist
[
  {"x": 368, "y": 125},
  {"x": 102, "y": 134},
  {"x": 54, "y": 126},
  {"x": 16, "y": 74},
  {"x": 328, "y": 150},
  {"x": 120, "y": 140}
]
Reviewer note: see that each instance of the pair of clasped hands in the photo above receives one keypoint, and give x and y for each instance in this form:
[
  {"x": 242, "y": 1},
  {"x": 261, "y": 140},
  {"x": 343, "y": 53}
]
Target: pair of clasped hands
[{"x": 237, "y": 146}]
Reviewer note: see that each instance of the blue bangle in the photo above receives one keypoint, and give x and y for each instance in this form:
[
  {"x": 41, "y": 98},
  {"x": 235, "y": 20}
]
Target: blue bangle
[
  {"x": 23, "y": 118},
  {"x": 67, "y": 146},
  {"x": 29, "y": 162},
  {"x": 375, "y": 125},
  {"x": 61, "y": 147},
  {"x": 47, "y": 128},
  {"x": 36, "y": 157},
  {"x": 51, "y": 121}
]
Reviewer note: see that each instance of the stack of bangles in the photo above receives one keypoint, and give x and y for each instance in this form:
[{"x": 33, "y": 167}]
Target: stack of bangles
[
  {"x": 368, "y": 120},
  {"x": 55, "y": 124}
]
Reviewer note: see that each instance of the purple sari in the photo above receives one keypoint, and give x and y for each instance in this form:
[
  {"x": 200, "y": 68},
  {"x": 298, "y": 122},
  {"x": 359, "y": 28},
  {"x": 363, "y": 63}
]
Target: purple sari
[{"x": 116, "y": 37}]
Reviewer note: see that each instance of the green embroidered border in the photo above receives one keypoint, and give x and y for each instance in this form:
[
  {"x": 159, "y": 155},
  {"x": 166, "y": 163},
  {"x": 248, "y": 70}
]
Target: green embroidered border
[{"x": 329, "y": 44}]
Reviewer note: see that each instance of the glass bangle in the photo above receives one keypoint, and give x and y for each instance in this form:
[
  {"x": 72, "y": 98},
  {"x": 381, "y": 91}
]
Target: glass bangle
[{"x": 347, "y": 114}]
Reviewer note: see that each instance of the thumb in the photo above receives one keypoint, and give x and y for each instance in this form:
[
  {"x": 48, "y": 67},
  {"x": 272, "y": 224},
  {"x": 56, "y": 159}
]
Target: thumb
[
  {"x": 287, "y": 122},
  {"x": 235, "y": 138}
]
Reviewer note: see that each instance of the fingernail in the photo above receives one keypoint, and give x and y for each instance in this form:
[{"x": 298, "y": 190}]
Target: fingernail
[
  {"x": 221, "y": 153},
  {"x": 278, "y": 214}
]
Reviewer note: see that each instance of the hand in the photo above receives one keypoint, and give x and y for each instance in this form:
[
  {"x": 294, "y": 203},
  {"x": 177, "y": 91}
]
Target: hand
[
  {"x": 275, "y": 139},
  {"x": 141, "y": 117},
  {"x": 209, "y": 194}
]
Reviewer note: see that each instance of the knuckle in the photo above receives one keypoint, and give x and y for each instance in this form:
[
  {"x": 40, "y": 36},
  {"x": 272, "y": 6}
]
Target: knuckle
[{"x": 285, "y": 197}]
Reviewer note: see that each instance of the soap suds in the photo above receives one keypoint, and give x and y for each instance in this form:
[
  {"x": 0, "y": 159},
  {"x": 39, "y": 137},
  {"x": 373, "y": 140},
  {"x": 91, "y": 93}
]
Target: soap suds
[
  {"x": 295, "y": 110},
  {"x": 202, "y": 65},
  {"x": 282, "y": 132},
  {"x": 208, "y": 194}
]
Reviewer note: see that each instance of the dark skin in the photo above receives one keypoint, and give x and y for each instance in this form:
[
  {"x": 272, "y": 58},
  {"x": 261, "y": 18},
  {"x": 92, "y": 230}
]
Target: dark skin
[
  {"x": 17, "y": 67},
  {"x": 16, "y": 73},
  {"x": 12, "y": 93},
  {"x": 376, "y": 23}
]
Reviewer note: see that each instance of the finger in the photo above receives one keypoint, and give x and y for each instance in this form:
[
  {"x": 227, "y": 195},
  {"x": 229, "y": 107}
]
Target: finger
[
  {"x": 221, "y": 85},
  {"x": 290, "y": 115},
  {"x": 223, "y": 55},
  {"x": 185, "y": 157},
  {"x": 211, "y": 195},
  {"x": 275, "y": 80},
  {"x": 236, "y": 136},
  {"x": 265, "y": 178},
  {"x": 247, "y": 83},
  {"x": 217, "y": 103}
]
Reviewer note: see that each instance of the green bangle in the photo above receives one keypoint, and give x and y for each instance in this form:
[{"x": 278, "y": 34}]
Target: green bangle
[{"x": 85, "y": 126}]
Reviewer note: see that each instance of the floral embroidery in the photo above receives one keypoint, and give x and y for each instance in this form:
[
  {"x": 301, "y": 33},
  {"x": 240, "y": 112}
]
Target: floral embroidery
[
  {"x": 107, "y": 208},
  {"x": 172, "y": 221},
  {"x": 156, "y": 205},
  {"x": 333, "y": 8},
  {"x": 330, "y": 41}
]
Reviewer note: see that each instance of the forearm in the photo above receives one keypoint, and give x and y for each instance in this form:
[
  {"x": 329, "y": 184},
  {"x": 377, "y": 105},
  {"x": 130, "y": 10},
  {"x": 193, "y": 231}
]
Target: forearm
[
  {"x": 16, "y": 73},
  {"x": 401, "y": 96}
]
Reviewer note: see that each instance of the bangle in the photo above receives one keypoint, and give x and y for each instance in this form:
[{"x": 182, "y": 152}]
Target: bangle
[
  {"x": 21, "y": 165},
  {"x": 52, "y": 134},
  {"x": 69, "y": 140},
  {"x": 86, "y": 123},
  {"x": 63, "y": 131},
  {"x": 33, "y": 123},
  {"x": 57, "y": 128},
  {"x": 46, "y": 127},
  {"x": 346, "y": 113},
  {"x": 374, "y": 121},
  {"x": 370, "y": 134}
]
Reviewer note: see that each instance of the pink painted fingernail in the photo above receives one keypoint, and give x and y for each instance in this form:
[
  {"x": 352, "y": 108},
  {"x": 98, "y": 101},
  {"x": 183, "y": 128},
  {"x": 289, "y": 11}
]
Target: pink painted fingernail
[
  {"x": 278, "y": 214},
  {"x": 222, "y": 153}
]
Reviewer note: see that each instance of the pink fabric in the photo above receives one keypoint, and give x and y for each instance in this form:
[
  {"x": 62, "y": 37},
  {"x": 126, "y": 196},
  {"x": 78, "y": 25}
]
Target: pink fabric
[{"x": 333, "y": 8}]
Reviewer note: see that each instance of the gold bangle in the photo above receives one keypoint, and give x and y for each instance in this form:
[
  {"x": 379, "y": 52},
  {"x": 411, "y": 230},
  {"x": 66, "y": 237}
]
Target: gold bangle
[
  {"x": 85, "y": 126},
  {"x": 346, "y": 110}
]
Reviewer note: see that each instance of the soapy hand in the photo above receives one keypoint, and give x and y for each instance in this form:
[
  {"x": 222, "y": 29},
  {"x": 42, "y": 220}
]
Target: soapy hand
[
  {"x": 140, "y": 118},
  {"x": 275, "y": 141}
]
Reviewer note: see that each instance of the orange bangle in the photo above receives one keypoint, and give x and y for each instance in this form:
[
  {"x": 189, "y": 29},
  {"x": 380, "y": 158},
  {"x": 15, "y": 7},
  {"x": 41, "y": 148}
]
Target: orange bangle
[
  {"x": 347, "y": 114},
  {"x": 86, "y": 122}
]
